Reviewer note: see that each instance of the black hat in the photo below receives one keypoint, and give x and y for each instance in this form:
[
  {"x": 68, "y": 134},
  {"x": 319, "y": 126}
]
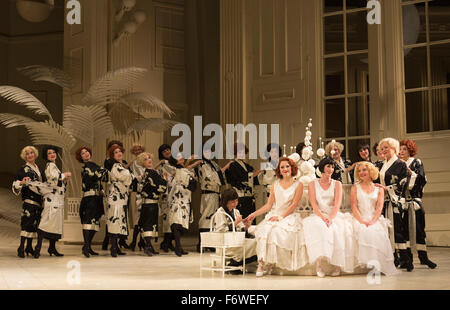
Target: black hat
[
  {"x": 161, "y": 149},
  {"x": 45, "y": 150}
]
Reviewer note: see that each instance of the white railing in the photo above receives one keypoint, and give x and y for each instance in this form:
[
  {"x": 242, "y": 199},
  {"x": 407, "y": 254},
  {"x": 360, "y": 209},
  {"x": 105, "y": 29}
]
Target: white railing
[{"x": 73, "y": 208}]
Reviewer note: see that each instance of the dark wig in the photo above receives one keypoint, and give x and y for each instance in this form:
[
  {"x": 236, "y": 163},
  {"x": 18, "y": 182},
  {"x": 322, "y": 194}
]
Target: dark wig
[
  {"x": 326, "y": 161},
  {"x": 112, "y": 142},
  {"x": 299, "y": 148},
  {"x": 273, "y": 146},
  {"x": 46, "y": 148},
  {"x": 374, "y": 148},
  {"x": 228, "y": 195},
  {"x": 161, "y": 149}
]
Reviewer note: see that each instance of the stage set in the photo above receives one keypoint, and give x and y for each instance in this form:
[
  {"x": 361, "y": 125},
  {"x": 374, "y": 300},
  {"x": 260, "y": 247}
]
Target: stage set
[{"x": 104, "y": 90}]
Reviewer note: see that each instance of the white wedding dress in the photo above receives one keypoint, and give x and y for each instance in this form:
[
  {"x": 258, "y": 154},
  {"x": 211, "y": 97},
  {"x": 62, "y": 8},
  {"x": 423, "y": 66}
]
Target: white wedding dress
[
  {"x": 336, "y": 242},
  {"x": 372, "y": 243},
  {"x": 282, "y": 243}
]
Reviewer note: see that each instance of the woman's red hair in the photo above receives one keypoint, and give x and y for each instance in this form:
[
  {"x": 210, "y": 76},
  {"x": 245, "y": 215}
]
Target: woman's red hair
[
  {"x": 78, "y": 153},
  {"x": 113, "y": 148},
  {"x": 294, "y": 168},
  {"x": 411, "y": 146}
]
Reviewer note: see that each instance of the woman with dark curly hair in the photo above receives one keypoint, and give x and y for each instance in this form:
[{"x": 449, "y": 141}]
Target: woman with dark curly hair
[
  {"x": 164, "y": 154},
  {"x": 243, "y": 178},
  {"x": 413, "y": 202},
  {"x": 91, "y": 206},
  {"x": 52, "y": 218}
]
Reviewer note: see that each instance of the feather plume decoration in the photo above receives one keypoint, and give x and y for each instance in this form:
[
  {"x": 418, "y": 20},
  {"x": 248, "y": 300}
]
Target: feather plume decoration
[
  {"x": 152, "y": 124},
  {"x": 145, "y": 102},
  {"x": 24, "y": 98},
  {"x": 113, "y": 85},
  {"x": 50, "y": 132},
  {"x": 88, "y": 123},
  {"x": 123, "y": 116},
  {"x": 48, "y": 74},
  {"x": 14, "y": 120}
]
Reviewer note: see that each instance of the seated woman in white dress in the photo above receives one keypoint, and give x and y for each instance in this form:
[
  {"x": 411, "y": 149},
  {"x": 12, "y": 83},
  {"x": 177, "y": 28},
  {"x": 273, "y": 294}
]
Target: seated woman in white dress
[
  {"x": 373, "y": 246},
  {"x": 222, "y": 223},
  {"x": 279, "y": 236},
  {"x": 328, "y": 232}
]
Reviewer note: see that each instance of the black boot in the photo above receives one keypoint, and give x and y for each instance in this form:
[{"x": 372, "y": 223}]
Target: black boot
[
  {"x": 105, "y": 240},
  {"x": 177, "y": 236},
  {"x": 396, "y": 260},
  {"x": 37, "y": 249},
  {"x": 52, "y": 249},
  {"x": 91, "y": 237},
  {"x": 29, "y": 249},
  {"x": 423, "y": 257},
  {"x": 141, "y": 244},
  {"x": 123, "y": 242},
  {"x": 410, "y": 256},
  {"x": 148, "y": 246},
  {"x": 171, "y": 238},
  {"x": 114, "y": 245},
  {"x": 135, "y": 235},
  {"x": 152, "y": 248},
  {"x": 21, "y": 248},
  {"x": 164, "y": 246},
  {"x": 85, "y": 248},
  {"x": 405, "y": 261}
]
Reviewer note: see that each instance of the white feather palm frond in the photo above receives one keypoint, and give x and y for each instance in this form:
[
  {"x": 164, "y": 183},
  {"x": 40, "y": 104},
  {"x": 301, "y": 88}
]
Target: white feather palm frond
[
  {"x": 123, "y": 117},
  {"x": 113, "y": 84},
  {"x": 48, "y": 74},
  {"x": 88, "y": 123},
  {"x": 14, "y": 120},
  {"x": 52, "y": 133},
  {"x": 152, "y": 124},
  {"x": 22, "y": 97},
  {"x": 145, "y": 102}
]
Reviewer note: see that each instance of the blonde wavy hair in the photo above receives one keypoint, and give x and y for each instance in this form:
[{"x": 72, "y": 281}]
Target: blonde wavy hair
[
  {"x": 141, "y": 158},
  {"x": 23, "y": 153},
  {"x": 393, "y": 144},
  {"x": 373, "y": 171},
  {"x": 331, "y": 146}
]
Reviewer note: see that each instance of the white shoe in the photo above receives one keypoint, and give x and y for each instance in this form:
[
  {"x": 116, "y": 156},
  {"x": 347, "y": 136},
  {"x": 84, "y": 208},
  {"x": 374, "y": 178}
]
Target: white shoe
[
  {"x": 260, "y": 271},
  {"x": 319, "y": 271}
]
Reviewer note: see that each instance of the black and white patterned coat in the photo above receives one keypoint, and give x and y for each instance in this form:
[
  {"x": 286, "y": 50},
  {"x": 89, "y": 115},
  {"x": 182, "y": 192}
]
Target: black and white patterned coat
[
  {"x": 180, "y": 182},
  {"x": 52, "y": 218},
  {"x": 31, "y": 197},
  {"x": 210, "y": 177},
  {"x": 120, "y": 180},
  {"x": 164, "y": 209}
]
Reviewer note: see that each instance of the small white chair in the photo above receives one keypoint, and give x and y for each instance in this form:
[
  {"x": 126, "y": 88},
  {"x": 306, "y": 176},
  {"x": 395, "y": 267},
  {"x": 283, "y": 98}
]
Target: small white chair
[{"x": 221, "y": 241}]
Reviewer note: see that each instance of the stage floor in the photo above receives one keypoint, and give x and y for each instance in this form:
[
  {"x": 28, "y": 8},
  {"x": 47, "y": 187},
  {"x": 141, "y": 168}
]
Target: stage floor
[{"x": 169, "y": 272}]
